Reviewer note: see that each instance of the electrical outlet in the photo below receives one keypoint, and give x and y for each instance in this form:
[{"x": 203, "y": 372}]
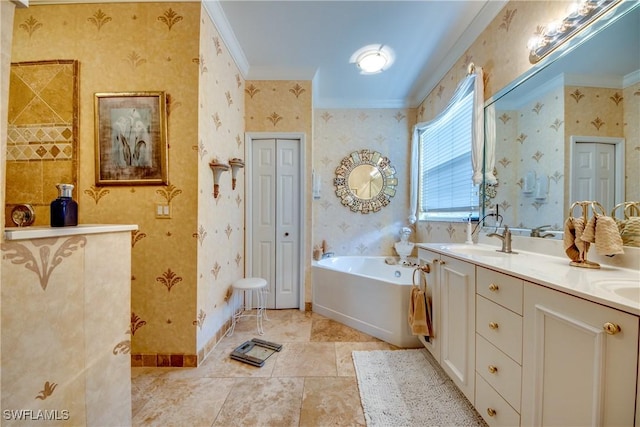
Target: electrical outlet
[{"x": 163, "y": 211}]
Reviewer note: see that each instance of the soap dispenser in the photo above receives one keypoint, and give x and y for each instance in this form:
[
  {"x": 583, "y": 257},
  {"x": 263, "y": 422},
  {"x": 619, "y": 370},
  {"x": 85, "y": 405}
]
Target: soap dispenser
[{"x": 64, "y": 210}]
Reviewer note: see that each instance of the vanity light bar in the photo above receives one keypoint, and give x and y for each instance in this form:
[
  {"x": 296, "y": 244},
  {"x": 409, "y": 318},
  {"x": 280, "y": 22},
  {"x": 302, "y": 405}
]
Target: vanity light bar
[{"x": 579, "y": 16}]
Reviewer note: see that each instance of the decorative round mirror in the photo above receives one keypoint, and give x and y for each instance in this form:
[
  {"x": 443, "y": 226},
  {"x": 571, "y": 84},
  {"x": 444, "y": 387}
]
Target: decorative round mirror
[{"x": 365, "y": 181}]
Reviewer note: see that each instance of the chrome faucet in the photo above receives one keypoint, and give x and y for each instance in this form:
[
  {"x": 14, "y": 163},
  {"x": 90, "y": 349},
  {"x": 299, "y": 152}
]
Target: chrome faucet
[
  {"x": 535, "y": 232},
  {"x": 506, "y": 240},
  {"x": 327, "y": 255}
]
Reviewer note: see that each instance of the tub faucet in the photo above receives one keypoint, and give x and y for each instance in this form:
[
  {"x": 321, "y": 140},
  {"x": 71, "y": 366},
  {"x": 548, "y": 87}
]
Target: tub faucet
[
  {"x": 327, "y": 255},
  {"x": 506, "y": 240},
  {"x": 535, "y": 232}
]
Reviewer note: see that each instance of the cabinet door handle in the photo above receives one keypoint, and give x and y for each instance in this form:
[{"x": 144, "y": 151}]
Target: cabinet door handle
[
  {"x": 612, "y": 328},
  {"x": 492, "y": 369},
  {"x": 491, "y": 412},
  {"x": 425, "y": 268},
  {"x": 493, "y": 325},
  {"x": 493, "y": 287}
]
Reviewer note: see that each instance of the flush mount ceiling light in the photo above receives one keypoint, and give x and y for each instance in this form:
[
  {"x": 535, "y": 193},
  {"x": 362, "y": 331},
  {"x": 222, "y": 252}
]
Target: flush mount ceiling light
[{"x": 373, "y": 59}]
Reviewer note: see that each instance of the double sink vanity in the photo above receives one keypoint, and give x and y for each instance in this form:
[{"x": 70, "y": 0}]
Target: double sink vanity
[{"x": 531, "y": 340}]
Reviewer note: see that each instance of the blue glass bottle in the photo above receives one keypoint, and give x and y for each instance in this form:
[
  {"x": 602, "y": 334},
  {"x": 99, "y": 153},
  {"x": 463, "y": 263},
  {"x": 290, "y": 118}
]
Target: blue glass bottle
[{"x": 64, "y": 210}]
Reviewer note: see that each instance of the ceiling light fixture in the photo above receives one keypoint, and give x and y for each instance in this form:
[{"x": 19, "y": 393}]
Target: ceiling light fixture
[{"x": 373, "y": 59}]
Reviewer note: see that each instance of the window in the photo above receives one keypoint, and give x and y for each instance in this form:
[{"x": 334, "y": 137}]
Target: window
[{"x": 446, "y": 190}]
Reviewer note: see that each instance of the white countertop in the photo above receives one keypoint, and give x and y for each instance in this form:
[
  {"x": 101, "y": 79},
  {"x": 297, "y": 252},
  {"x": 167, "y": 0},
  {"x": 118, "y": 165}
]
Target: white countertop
[
  {"x": 40, "y": 232},
  {"x": 554, "y": 272}
]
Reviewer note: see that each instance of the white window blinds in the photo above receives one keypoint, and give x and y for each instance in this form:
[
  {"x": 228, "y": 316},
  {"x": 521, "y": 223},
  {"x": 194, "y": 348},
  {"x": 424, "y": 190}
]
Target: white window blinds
[{"x": 446, "y": 189}]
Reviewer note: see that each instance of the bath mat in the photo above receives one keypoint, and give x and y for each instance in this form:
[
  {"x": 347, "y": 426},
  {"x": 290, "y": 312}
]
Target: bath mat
[{"x": 407, "y": 388}]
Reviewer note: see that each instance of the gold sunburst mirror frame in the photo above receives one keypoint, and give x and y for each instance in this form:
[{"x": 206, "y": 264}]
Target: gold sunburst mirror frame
[
  {"x": 365, "y": 181},
  {"x": 580, "y": 14}
]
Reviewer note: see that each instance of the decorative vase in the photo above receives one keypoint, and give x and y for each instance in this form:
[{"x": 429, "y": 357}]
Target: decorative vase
[{"x": 64, "y": 210}]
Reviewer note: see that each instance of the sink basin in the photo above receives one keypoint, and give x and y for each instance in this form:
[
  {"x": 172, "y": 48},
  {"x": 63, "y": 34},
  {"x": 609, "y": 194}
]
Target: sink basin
[
  {"x": 628, "y": 289},
  {"x": 475, "y": 250}
]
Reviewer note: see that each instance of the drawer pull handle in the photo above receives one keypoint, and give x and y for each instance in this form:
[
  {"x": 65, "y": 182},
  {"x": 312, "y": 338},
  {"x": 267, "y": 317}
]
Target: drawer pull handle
[
  {"x": 494, "y": 288},
  {"x": 492, "y": 369},
  {"x": 493, "y": 325},
  {"x": 491, "y": 412},
  {"x": 612, "y": 328}
]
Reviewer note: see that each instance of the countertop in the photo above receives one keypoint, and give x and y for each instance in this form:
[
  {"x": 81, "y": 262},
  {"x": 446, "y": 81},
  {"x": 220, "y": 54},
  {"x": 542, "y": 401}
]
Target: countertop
[
  {"x": 40, "y": 232},
  {"x": 596, "y": 285}
]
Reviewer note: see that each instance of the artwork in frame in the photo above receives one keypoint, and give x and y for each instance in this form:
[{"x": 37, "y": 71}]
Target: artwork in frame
[{"x": 131, "y": 138}]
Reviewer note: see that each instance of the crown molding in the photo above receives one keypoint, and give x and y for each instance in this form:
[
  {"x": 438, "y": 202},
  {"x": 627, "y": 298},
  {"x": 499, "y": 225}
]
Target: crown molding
[{"x": 217, "y": 15}]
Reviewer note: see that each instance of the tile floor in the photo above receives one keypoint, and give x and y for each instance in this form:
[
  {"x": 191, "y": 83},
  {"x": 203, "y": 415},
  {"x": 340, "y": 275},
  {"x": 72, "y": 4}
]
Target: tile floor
[{"x": 311, "y": 382}]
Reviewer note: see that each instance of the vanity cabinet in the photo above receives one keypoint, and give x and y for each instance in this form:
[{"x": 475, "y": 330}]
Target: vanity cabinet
[
  {"x": 498, "y": 347},
  {"x": 452, "y": 285},
  {"x": 580, "y": 361}
]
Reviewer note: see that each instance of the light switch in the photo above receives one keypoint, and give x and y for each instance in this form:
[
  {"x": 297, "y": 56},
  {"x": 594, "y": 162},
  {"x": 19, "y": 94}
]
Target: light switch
[{"x": 163, "y": 211}]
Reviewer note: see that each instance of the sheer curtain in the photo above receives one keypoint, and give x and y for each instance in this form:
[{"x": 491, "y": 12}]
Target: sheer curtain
[{"x": 474, "y": 81}]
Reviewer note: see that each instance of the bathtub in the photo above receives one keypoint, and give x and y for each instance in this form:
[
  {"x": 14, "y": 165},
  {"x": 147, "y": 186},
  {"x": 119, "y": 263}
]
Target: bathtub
[{"x": 366, "y": 294}]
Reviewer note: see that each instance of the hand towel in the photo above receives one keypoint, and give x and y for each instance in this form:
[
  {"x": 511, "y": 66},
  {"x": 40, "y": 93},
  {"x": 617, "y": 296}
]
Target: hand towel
[
  {"x": 630, "y": 234},
  {"x": 569, "y": 239},
  {"x": 589, "y": 234},
  {"x": 583, "y": 247},
  {"x": 418, "y": 312},
  {"x": 607, "y": 236}
]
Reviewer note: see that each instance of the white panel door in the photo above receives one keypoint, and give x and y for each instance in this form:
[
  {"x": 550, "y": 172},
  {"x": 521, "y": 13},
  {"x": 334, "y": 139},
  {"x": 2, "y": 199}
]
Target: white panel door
[
  {"x": 276, "y": 219},
  {"x": 594, "y": 173}
]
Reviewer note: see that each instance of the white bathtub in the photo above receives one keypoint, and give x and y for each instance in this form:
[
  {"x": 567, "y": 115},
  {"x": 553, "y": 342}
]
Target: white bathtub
[{"x": 366, "y": 294}]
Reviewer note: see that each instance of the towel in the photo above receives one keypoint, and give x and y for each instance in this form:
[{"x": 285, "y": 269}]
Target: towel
[
  {"x": 418, "y": 312},
  {"x": 607, "y": 237},
  {"x": 420, "y": 306},
  {"x": 574, "y": 246}
]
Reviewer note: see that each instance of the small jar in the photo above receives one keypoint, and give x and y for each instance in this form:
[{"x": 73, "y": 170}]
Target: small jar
[{"x": 64, "y": 210}]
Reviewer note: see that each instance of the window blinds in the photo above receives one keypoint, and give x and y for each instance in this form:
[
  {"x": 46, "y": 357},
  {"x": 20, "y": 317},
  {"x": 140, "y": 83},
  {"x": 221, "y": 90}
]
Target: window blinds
[{"x": 446, "y": 188}]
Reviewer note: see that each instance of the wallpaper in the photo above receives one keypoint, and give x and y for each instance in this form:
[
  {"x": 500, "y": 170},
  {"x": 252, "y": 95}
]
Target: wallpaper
[
  {"x": 220, "y": 234},
  {"x": 128, "y": 48},
  {"x": 337, "y": 133}
]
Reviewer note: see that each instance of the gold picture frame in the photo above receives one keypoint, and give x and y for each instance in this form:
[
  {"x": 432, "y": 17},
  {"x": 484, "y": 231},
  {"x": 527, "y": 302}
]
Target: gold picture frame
[{"x": 131, "y": 138}]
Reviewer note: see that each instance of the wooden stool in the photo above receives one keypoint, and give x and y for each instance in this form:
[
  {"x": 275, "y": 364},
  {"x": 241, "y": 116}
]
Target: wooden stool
[{"x": 244, "y": 290}]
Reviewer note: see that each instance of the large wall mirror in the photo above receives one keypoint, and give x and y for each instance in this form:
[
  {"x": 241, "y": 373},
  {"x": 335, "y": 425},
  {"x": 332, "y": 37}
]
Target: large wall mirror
[
  {"x": 365, "y": 181},
  {"x": 42, "y": 135},
  {"x": 568, "y": 129}
]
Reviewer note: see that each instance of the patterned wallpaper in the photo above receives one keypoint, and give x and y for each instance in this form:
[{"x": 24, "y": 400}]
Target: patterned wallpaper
[
  {"x": 220, "y": 234},
  {"x": 337, "y": 133},
  {"x": 128, "y": 48}
]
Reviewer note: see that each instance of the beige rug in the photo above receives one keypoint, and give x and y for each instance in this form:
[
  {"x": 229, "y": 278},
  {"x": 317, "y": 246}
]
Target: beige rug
[{"x": 407, "y": 388}]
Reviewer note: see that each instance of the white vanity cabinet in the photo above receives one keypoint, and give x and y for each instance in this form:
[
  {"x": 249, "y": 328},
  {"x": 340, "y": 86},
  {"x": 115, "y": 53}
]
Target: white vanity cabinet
[
  {"x": 498, "y": 347},
  {"x": 580, "y": 361},
  {"x": 453, "y": 302}
]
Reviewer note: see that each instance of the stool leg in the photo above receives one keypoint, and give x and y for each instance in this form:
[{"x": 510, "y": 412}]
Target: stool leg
[
  {"x": 260, "y": 311},
  {"x": 264, "y": 292}
]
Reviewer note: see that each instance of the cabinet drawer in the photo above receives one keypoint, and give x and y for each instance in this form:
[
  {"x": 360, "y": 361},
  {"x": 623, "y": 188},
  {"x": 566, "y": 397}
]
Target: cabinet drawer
[
  {"x": 499, "y": 370},
  {"x": 493, "y": 408},
  {"x": 503, "y": 289},
  {"x": 501, "y": 327}
]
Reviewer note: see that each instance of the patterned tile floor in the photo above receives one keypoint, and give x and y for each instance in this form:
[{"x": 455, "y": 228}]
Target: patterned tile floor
[{"x": 311, "y": 382}]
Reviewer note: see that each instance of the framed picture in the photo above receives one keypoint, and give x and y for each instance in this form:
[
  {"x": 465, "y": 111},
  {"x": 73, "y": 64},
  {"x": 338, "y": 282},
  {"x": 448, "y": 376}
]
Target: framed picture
[{"x": 131, "y": 138}]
